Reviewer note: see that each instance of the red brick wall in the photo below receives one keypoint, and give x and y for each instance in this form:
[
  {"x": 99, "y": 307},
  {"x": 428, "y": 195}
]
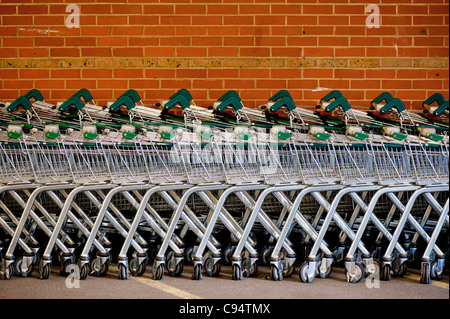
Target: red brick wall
[{"x": 256, "y": 47}]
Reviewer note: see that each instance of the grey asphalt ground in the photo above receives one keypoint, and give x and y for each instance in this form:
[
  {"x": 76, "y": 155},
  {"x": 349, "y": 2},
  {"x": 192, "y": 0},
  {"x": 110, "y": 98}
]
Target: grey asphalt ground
[{"x": 222, "y": 287}]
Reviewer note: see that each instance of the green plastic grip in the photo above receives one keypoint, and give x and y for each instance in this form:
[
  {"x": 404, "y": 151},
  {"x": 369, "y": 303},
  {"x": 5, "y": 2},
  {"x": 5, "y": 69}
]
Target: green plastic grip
[
  {"x": 436, "y": 97},
  {"x": 284, "y": 135},
  {"x": 335, "y": 94},
  {"x": 177, "y": 99},
  {"x": 206, "y": 135},
  {"x": 286, "y": 102},
  {"x": 444, "y": 106},
  {"x": 280, "y": 95},
  {"x": 20, "y": 101},
  {"x": 107, "y": 125},
  {"x": 133, "y": 95},
  {"x": 122, "y": 100},
  {"x": 52, "y": 135},
  {"x": 14, "y": 135},
  {"x": 398, "y": 136},
  {"x": 322, "y": 136},
  {"x": 183, "y": 92},
  {"x": 385, "y": 96},
  {"x": 396, "y": 103},
  {"x": 85, "y": 94},
  {"x": 75, "y": 101},
  {"x": 360, "y": 136},
  {"x": 341, "y": 101},
  {"x": 167, "y": 135},
  {"x": 35, "y": 94},
  {"x": 439, "y": 98},
  {"x": 129, "y": 135},
  {"x": 435, "y": 137},
  {"x": 229, "y": 94},
  {"x": 90, "y": 136},
  {"x": 27, "y": 125},
  {"x": 232, "y": 101},
  {"x": 244, "y": 136}
]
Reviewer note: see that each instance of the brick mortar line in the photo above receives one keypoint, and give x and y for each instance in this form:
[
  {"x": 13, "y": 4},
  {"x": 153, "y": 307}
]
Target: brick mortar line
[{"x": 210, "y": 62}]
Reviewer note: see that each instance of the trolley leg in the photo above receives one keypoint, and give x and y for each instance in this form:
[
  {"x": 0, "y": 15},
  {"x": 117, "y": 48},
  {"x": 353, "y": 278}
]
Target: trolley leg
[
  {"x": 158, "y": 264},
  {"x": 387, "y": 261},
  {"x": 198, "y": 257},
  {"x": 435, "y": 269}
]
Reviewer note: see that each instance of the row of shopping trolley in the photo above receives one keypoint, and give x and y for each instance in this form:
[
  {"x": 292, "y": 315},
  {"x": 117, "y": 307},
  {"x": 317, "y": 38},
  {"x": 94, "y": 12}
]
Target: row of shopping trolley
[{"x": 172, "y": 183}]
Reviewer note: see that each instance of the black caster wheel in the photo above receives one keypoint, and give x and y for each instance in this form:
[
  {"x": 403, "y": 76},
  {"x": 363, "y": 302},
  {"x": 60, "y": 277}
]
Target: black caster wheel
[
  {"x": 425, "y": 273},
  {"x": 386, "y": 272},
  {"x": 158, "y": 273},
  {"x": 212, "y": 269},
  {"x": 99, "y": 272},
  {"x": 249, "y": 270},
  {"x": 399, "y": 269},
  {"x": 45, "y": 272},
  {"x": 435, "y": 274},
  {"x": 265, "y": 255},
  {"x": 227, "y": 253},
  {"x": 303, "y": 273},
  {"x": 137, "y": 269},
  {"x": 173, "y": 268},
  {"x": 277, "y": 275},
  {"x": 123, "y": 272},
  {"x": 84, "y": 271},
  {"x": 64, "y": 272},
  {"x": 18, "y": 268},
  {"x": 197, "y": 275},
  {"x": 188, "y": 255},
  {"x": 289, "y": 271},
  {"x": 9, "y": 271},
  {"x": 327, "y": 272},
  {"x": 237, "y": 272},
  {"x": 358, "y": 275},
  {"x": 373, "y": 268}
]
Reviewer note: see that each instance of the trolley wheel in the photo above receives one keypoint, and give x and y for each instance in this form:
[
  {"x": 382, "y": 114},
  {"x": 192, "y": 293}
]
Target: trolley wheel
[
  {"x": 173, "y": 268},
  {"x": 237, "y": 272},
  {"x": 288, "y": 272},
  {"x": 249, "y": 270},
  {"x": 398, "y": 269},
  {"x": 99, "y": 272},
  {"x": 425, "y": 273},
  {"x": 9, "y": 271},
  {"x": 36, "y": 259},
  {"x": 140, "y": 269},
  {"x": 188, "y": 255},
  {"x": 84, "y": 271},
  {"x": 359, "y": 274},
  {"x": 158, "y": 272},
  {"x": 277, "y": 275},
  {"x": 63, "y": 272},
  {"x": 327, "y": 272},
  {"x": 45, "y": 272},
  {"x": 265, "y": 255},
  {"x": 435, "y": 274},
  {"x": 18, "y": 268},
  {"x": 375, "y": 270},
  {"x": 123, "y": 273},
  {"x": 386, "y": 272},
  {"x": 197, "y": 274},
  {"x": 227, "y": 253},
  {"x": 253, "y": 270},
  {"x": 303, "y": 273},
  {"x": 212, "y": 269}
]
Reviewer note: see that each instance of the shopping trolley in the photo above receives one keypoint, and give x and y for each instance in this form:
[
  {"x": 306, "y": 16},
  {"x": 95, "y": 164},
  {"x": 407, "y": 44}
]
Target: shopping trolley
[{"x": 37, "y": 159}]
